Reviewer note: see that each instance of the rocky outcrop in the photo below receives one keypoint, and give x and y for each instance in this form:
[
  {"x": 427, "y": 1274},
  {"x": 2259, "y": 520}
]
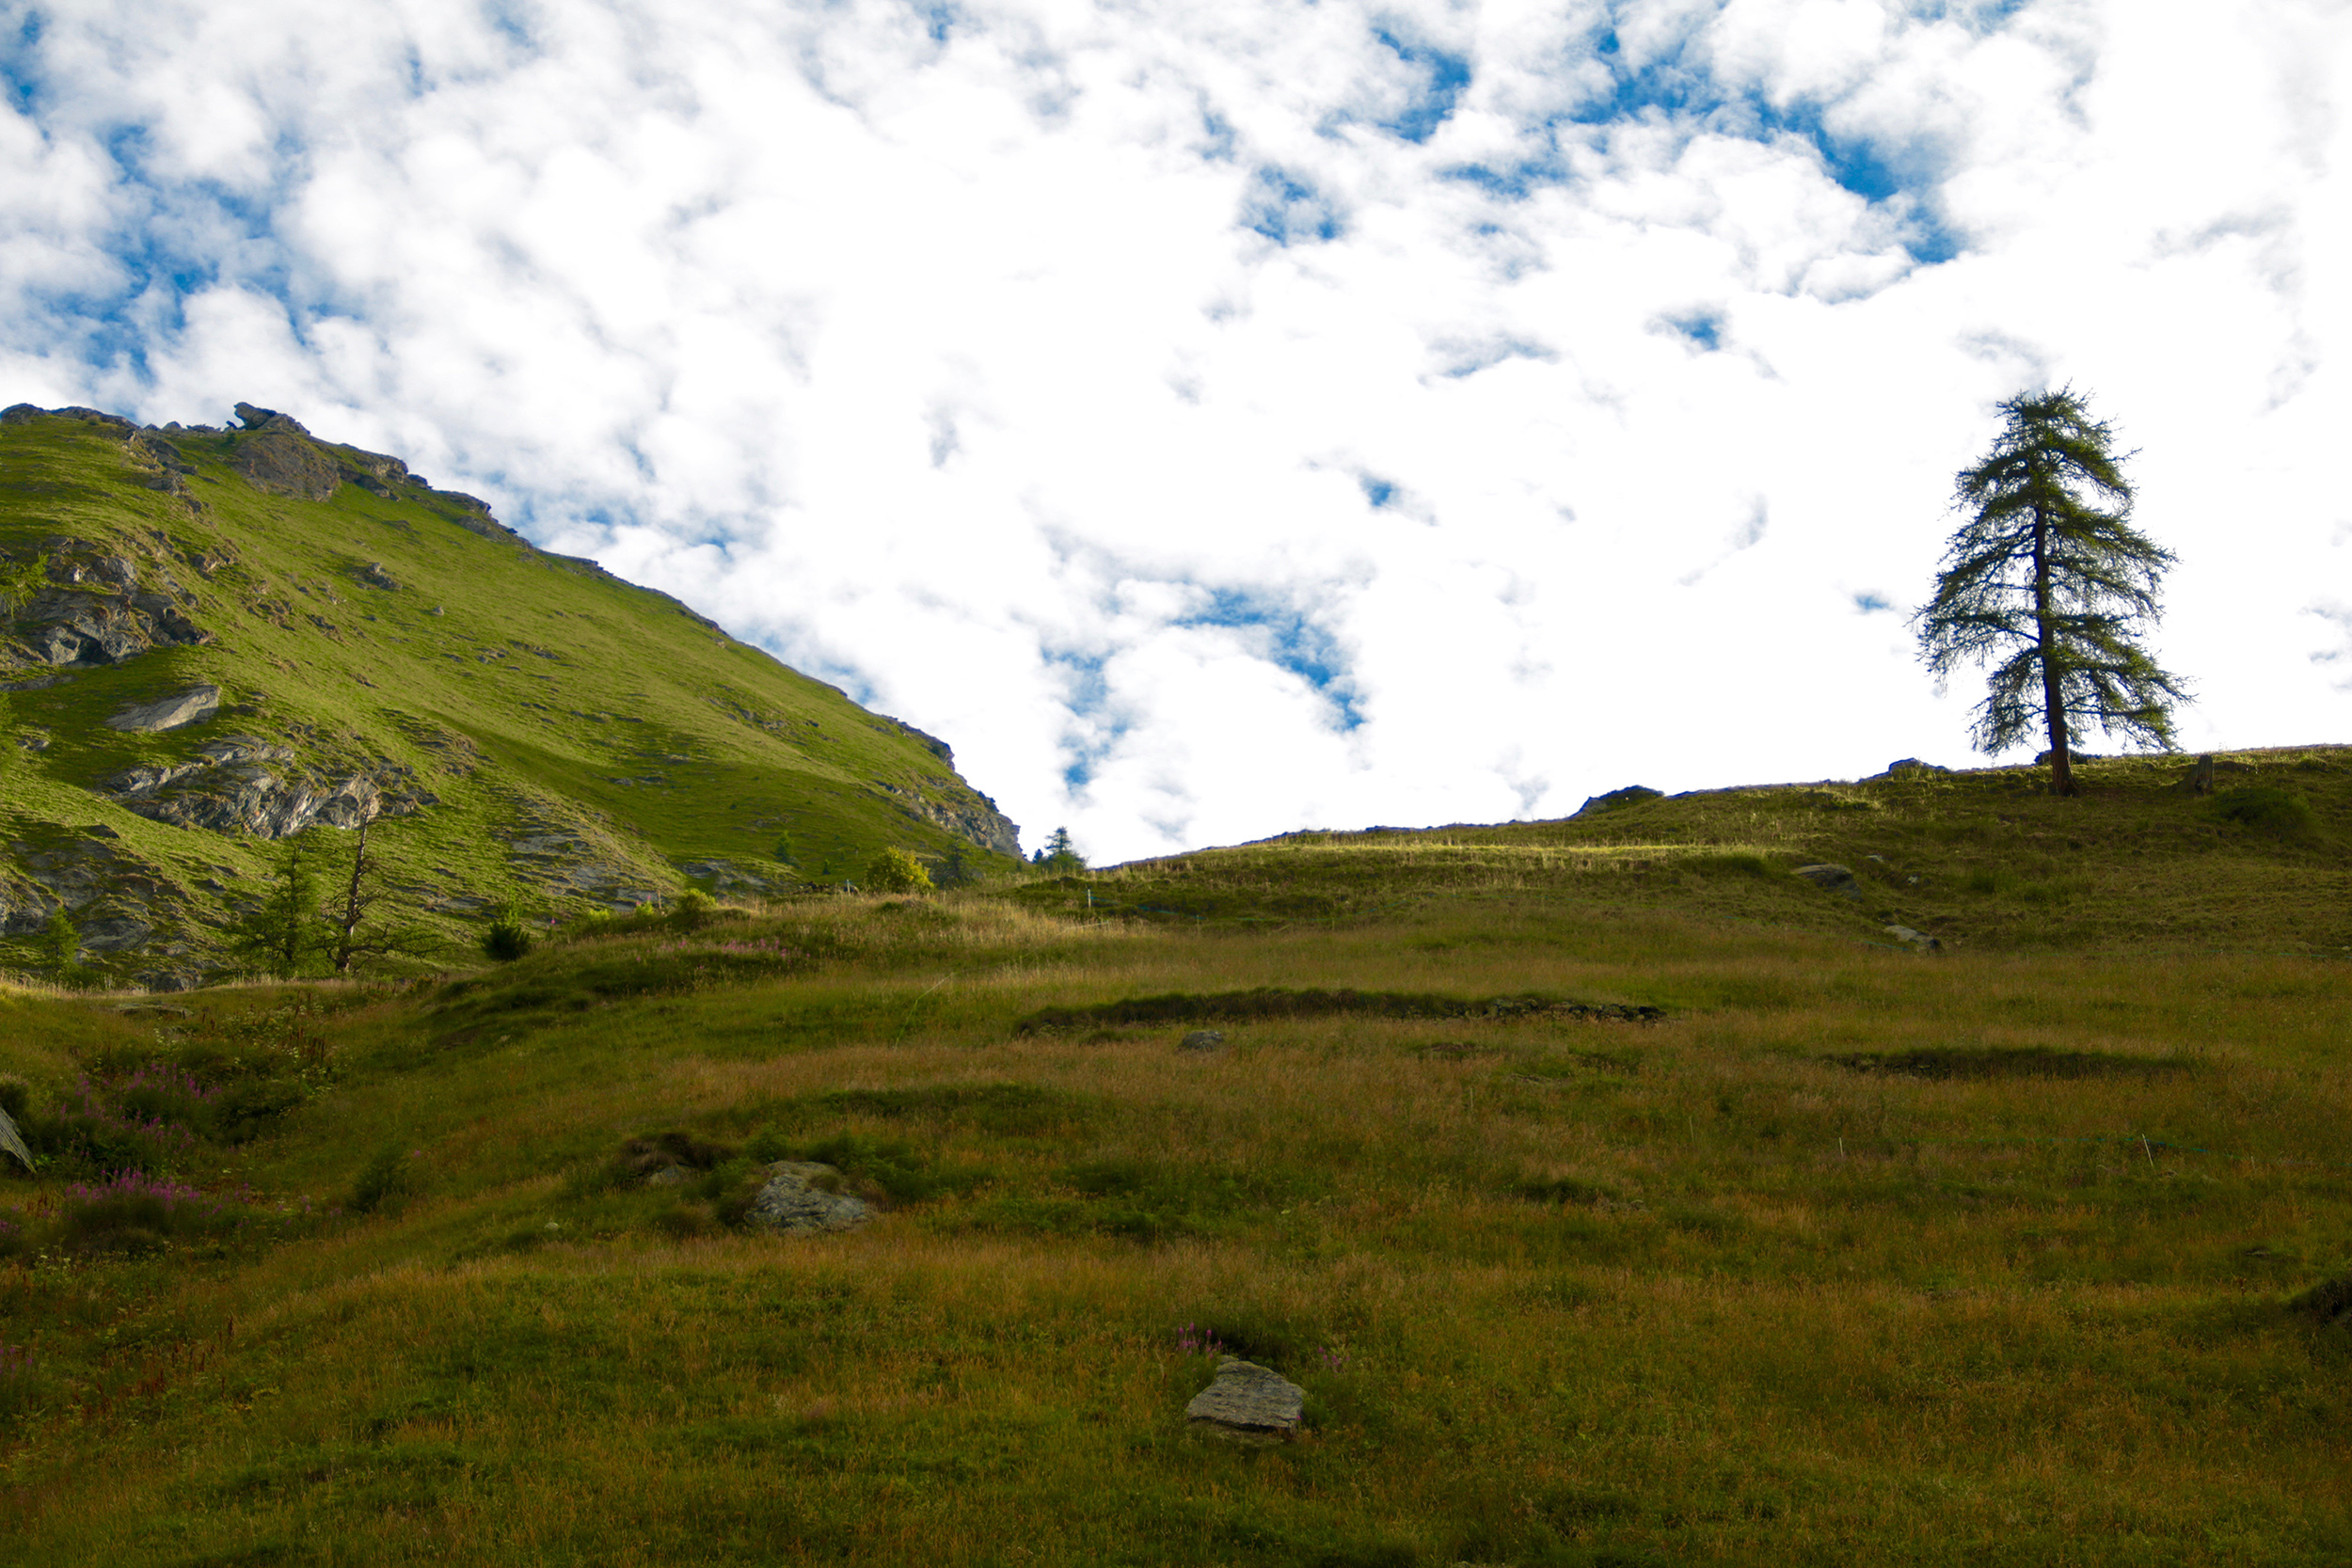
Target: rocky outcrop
[
  {"x": 728, "y": 879},
  {"x": 101, "y": 607},
  {"x": 115, "y": 900},
  {"x": 973, "y": 817},
  {"x": 569, "y": 859},
  {"x": 278, "y": 457},
  {"x": 252, "y": 788}
]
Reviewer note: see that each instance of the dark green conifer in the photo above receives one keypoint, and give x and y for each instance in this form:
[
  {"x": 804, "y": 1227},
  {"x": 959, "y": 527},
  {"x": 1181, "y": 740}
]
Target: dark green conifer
[
  {"x": 285, "y": 933},
  {"x": 2048, "y": 581}
]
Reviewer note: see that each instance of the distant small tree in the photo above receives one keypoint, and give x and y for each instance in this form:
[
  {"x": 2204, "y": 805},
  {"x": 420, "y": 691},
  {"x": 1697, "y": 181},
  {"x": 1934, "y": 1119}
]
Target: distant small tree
[
  {"x": 284, "y": 934},
  {"x": 956, "y": 869},
  {"x": 60, "y": 940},
  {"x": 894, "y": 870},
  {"x": 2048, "y": 581},
  {"x": 20, "y": 582},
  {"x": 355, "y": 928},
  {"x": 1060, "y": 854}
]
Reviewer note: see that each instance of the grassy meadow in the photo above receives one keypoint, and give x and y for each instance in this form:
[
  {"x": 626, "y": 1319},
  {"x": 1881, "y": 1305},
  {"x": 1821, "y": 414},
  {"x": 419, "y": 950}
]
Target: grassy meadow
[{"x": 2016, "y": 1253}]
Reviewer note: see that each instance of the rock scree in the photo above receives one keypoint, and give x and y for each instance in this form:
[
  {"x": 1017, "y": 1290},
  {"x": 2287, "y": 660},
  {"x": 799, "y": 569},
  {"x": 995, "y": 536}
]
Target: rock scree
[
  {"x": 1248, "y": 1404},
  {"x": 799, "y": 1199}
]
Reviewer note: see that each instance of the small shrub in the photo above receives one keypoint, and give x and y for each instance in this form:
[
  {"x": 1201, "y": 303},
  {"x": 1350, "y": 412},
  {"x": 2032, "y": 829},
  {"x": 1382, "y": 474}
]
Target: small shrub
[
  {"x": 695, "y": 909},
  {"x": 505, "y": 939},
  {"x": 2266, "y": 810},
  {"x": 894, "y": 870},
  {"x": 390, "y": 1178},
  {"x": 1733, "y": 864},
  {"x": 685, "y": 1220}
]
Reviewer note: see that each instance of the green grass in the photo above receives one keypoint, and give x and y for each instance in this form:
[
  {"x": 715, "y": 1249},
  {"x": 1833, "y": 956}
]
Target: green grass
[{"x": 1854, "y": 1256}]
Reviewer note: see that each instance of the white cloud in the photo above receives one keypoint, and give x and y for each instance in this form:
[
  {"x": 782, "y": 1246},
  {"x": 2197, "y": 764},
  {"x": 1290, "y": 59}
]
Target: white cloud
[{"x": 946, "y": 350}]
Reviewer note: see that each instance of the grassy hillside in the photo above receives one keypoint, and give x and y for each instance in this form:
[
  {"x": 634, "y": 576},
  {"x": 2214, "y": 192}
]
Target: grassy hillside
[
  {"x": 528, "y": 725},
  {"x": 1984, "y": 859},
  {"x": 2034, "y": 1251}
]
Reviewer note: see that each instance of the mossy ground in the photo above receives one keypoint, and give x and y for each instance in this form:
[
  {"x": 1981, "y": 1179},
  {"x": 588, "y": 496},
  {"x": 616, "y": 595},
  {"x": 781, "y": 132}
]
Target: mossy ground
[{"x": 1857, "y": 1256}]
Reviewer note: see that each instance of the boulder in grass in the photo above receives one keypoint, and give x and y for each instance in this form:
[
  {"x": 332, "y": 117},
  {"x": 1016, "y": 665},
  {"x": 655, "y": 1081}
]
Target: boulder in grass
[
  {"x": 1831, "y": 878},
  {"x": 181, "y": 708},
  {"x": 1203, "y": 1040},
  {"x": 1918, "y": 942},
  {"x": 1248, "y": 1404},
  {"x": 801, "y": 1198}
]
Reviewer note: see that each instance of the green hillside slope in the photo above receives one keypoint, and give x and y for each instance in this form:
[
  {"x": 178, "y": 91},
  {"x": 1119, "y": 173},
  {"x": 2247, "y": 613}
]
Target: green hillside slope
[
  {"x": 329, "y": 639},
  {"x": 1983, "y": 859}
]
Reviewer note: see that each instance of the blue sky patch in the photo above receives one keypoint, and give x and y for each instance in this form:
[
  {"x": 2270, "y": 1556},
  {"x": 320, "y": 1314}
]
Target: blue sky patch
[
  {"x": 939, "y": 18},
  {"x": 1378, "y": 491},
  {"x": 1094, "y": 729},
  {"x": 1444, "y": 77},
  {"x": 1871, "y": 604},
  {"x": 1288, "y": 638},
  {"x": 1288, "y": 209},
  {"x": 1701, "y": 329}
]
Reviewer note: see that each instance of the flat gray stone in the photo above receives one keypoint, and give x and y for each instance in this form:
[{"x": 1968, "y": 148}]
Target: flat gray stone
[
  {"x": 1202, "y": 1039},
  {"x": 797, "y": 1201},
  {"x": 1918, "y": 941},
  {"x": 192, "y": 706},
  {"x": 1831, "y": 878},
  {"x": 1248, "y": 1404}
]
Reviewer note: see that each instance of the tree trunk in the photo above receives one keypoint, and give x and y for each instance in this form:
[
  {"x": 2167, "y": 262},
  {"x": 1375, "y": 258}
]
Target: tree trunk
[
  {"x": 2053, "y": 705},
  {"x": 351, "y": 902}
]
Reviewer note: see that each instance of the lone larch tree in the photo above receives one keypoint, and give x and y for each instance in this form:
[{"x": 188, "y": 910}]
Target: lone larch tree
[{"x": 2048, "y": 581}]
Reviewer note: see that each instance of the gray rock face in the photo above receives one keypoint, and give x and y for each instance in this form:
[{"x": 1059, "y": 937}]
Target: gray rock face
[
  {"x": 1918, "y": 941},
  {"x": 278, "y": 462},
  {"x": 247, "y": 787},
  {"x": 797, "y": 1200},
  {"x": 268, "y": 419},
  {"x": 1831, "y": 878},
  {"x": 96, "y": 610},
  {"x": 1908, "y": 767},
  {"x": 1202, "y": 1039},
  {"x": 976, "y": 820},
  {"x": 181, "y": 708},
  {"x": 1248, "y": 1404}
]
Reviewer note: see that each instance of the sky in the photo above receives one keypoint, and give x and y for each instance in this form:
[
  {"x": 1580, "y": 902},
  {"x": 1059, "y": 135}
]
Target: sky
[{"x": 1222, "y": 417}]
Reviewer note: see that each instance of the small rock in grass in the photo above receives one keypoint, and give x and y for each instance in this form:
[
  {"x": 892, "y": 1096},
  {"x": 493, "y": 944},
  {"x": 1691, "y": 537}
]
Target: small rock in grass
[
  {"x": 1831, "y": 878},
  {"x": 1248, "y": 1404},
  {"x": 1202, "y": 1039},
  {"x": 670, "y": 1176},
  {"x": 1918, "y": 942},
  {"x": 799, "y": 1199}
]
